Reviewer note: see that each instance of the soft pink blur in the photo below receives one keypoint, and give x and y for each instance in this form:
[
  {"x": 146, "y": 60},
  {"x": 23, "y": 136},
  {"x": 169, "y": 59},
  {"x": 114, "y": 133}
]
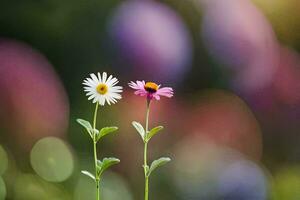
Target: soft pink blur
[
  {"x": 215, "y": 172},
  {"x": 286, "y": 81},
  {"x": 224, "y": 119},
  {"x": 238, "y": 35},
  {"x": 34, "y": 103},
  {"x": 281, "y": 99}
]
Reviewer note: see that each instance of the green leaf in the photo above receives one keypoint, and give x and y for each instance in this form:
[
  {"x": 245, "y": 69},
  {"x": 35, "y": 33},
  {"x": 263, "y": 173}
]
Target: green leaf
[
  {"x": 157, "y": 163},
  {"x": 146, "y": 169},
  {"x": 86, "y": 125},
  {"x": 106, "y": 130},
  {"x": 88, "y": 174},
  {"x": 153, "y": 132},
  {"x": 106, "y": 163},
  {"x": 99, "y": 166},
  {"x": 140, "y": 129},
  {"x": 99, "y": 162},
  {"x": 96, "y": 132}
]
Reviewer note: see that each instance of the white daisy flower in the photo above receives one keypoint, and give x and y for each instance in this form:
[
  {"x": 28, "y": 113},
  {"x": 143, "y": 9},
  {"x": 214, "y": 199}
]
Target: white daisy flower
[{"x": 102, "y": 89}]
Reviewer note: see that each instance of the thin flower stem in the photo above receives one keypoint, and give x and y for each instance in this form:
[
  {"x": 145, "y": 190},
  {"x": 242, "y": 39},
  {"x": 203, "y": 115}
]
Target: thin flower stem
[
  {"x": 145, "y": 172},
  {"x": 146, "y": 188},
  {"x": 95, "y": 154},
  {"x": 147, "y": 115},
  {"x": 95, "y": 115},
  {"x": 145, "y": 154}
]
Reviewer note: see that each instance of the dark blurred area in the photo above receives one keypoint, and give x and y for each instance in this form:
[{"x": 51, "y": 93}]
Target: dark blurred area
[{"x": 232, "y": 129}]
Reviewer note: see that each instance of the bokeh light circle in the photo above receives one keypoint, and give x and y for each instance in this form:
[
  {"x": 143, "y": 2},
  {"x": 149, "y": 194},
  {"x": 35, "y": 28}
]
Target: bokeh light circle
[
  {"x": 52, "y": 159},
  {"x": 238, "y": 35},
  {"x": 243, "y": 180},
  {"x": 285, "y": 18},
  {"x": 198, "y": 165},
  {"x": 286, "y": 83},
  {"x": 113, "y": 187},
  {"x": 204, "y": 170},
  {"x": 2, "y": 189},
  {"x": 281, "y": 99},
  {"x": 33, "y": 101},
  {"x": 225, "y": 119},
  {"x": 29, "y": 186},
  {"x": 287, "y": 182},
  {"x": 153, "y": 39},
  {"x": 3, "y": 160}
]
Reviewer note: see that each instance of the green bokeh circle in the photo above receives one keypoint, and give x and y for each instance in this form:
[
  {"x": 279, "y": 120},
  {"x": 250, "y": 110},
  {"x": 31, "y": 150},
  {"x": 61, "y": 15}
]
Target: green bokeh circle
[
  {"x": 52, "y": 159},
  {"x": 287, "y": 183},
  {"x": 3, "y": 160},
  {"x": 2, "y": 189},
  {"x": 33, "y": 187},
  {"x": 113, "y": 187}
]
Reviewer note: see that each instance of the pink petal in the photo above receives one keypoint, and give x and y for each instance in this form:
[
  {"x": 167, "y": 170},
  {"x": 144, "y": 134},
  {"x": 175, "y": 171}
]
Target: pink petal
[
  {"x": 165, "y": 91},
  {"x": 139, "y": 85},
  {"x": 133, "y": 85},
  {"x": 156, "y": 96},
  {"x": 141, "y": 92}
]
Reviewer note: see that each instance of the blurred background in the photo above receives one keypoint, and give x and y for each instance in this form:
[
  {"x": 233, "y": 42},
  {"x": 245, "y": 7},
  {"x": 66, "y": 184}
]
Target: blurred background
[{"x": 232, "y": 128}]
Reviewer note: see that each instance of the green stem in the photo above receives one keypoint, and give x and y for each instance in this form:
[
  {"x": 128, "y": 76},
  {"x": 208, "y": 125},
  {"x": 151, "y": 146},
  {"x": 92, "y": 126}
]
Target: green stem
[
  {"x": 146, "y": 188},
  {"x": 95, "y": 154},
  {"x": 95, "y": 115},
  {"x": 145, "y": 158},
  {"x": 145, "y": 154},
  {"x": 98, "y": 189},
  {"x": 147, "y": 116},
  {"x": 145, "y": 172}
]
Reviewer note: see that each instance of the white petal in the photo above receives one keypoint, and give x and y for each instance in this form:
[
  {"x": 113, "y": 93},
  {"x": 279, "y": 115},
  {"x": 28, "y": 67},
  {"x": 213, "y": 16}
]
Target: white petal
[
  {"x": 88, "y": 82},
  {"x": 109, "y": 78},
  {"x": 117, "y": 87},
  {"x": 94, "y": 77},
  {"x": 99, "y": 77},
  {"x": 113, "y": 90},
  {"x": 108, "y": 100},
  {"x": 104, "y": 76},
  {"x": 91, "y": 97},
  {"x": 90, "y": 93},
  {"x": 115, "y": 95},
  {"x": 112, "y": 100},
  {"x": 101, "y": 100},
  {"x": 113, "y": 81}
]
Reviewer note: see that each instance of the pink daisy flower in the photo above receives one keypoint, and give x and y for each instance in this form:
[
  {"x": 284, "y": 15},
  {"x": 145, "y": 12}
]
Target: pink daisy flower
[{"x": 150, "y": 90}]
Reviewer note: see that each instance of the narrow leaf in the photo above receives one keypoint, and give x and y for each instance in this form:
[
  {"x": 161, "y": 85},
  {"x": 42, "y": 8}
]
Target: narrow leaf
[
  {"x": 96, "y": 134},
  {"x": 157, "y": 163},
  {"x": 146, "y": 169},
  {"x": 140, "y": 129},
  {"x": 99, "y": 162},
  {"x": 99, "y": 166},
  {"x": 106, "y": 163},
  {"x": 86, "y": 125},
  {"x": 153, "y": 132},
  {"x": 107, "y": 130},
  {"x": 88, "y": 174}
]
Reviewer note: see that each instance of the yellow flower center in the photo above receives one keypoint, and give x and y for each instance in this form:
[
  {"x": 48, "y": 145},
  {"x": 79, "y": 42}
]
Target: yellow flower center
[
  {"x": 102, "y": 88},
  {"x": 151, "y": 87}
]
